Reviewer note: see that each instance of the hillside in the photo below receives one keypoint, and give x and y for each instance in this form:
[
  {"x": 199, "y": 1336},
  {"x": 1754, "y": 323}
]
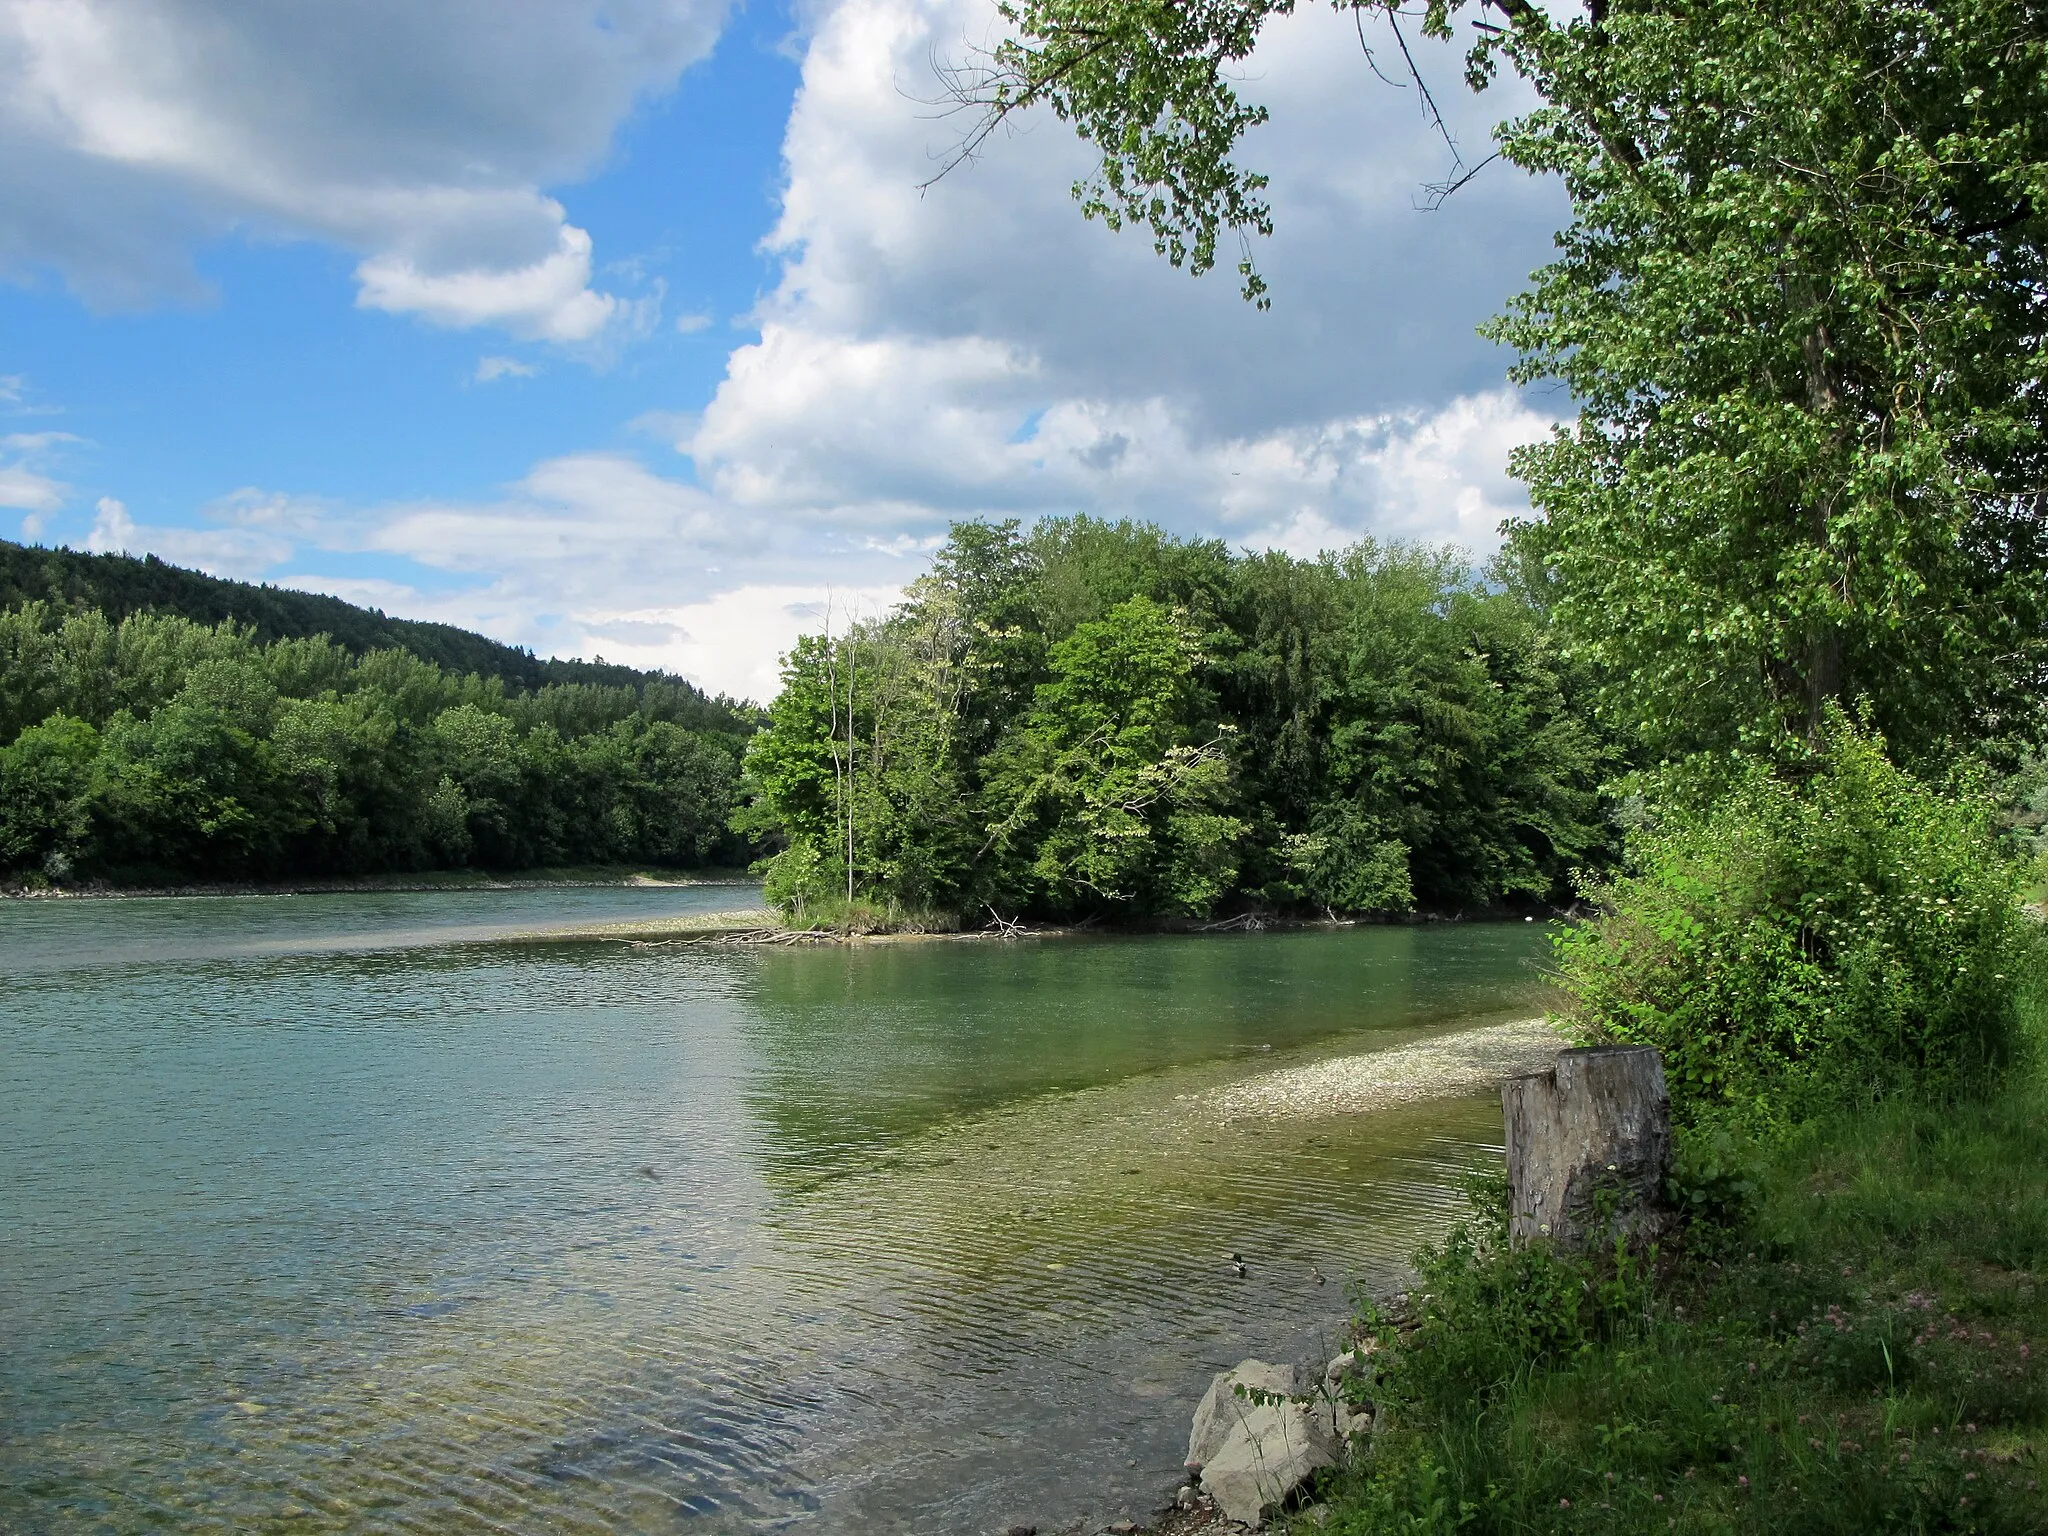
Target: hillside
[{"x": 120, "y": 585}]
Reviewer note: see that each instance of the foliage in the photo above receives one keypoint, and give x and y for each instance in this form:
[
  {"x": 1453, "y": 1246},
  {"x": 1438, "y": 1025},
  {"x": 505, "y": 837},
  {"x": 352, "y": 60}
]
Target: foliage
[
  {"x": 1797, "y": 308},
  {"x": 1097, "y": 718},
  {"x": 1862, "y": 1351},
  {"x": 1779, "y": 941},
  {"x": 116, "y": 587},
  {"x": 1107, "y": 795},
  {"x": 1799, "y": 314},
  {"x": 155, "y": 746}
]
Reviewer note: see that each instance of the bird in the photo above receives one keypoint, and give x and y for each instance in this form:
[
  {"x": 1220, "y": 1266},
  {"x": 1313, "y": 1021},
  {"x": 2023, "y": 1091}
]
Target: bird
[
  {"x": 1315, "y": 1274},
  {"x": 649, "y": 1171},
  {"x": 1237, "y": 1265}
]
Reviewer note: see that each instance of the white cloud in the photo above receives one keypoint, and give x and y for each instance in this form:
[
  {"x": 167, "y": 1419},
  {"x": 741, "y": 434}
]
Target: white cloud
[
  {"x": 489, "y": 369},
  {"x": 691, "y": 324},
  {"x": 548, "y": 300},
  {"x": 26, "y": 491},
  {"x": 418, "y": 136},
  {"x": 243, "y": 553},
  {"x": 978, "y": 349},
  {"x": 26, "y": 483},
  {"x": 729, "y": 643}
]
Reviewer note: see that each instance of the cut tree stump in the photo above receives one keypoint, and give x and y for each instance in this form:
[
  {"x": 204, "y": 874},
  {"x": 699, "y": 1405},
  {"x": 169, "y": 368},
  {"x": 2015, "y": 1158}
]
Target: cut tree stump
[{"x": 1589, "y": 1142}]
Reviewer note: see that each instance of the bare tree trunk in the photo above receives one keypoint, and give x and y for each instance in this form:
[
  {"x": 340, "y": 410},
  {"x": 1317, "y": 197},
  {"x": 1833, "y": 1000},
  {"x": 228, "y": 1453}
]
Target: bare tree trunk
[{"x": 1589, "y": 1142}]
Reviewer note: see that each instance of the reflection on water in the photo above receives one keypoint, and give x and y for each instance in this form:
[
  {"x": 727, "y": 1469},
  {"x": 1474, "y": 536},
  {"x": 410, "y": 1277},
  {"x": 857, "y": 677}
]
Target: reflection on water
[{"x": 322, "y": 1237}]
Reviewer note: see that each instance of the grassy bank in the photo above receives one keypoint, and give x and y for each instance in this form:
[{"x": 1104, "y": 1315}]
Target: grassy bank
[{"x": 1858, "y": 1347}]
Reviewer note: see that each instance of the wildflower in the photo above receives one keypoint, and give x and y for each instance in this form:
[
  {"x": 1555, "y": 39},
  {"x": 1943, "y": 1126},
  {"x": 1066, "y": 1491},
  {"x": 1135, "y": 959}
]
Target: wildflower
[
  {"x": 1742, "y": 1482},
  {"x": 1564, "y": 1503}
]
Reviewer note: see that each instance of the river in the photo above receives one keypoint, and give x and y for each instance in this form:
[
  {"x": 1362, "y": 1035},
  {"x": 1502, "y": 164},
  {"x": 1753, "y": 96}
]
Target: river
[{"x": 350, "y": 1213}]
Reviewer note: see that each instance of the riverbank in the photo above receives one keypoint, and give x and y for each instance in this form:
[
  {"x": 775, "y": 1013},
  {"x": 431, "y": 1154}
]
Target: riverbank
[
  {"x": 1861, "y": 1349},
  {"x": 1860, "y": 1346},
  {"x": 568, "y": 877}
]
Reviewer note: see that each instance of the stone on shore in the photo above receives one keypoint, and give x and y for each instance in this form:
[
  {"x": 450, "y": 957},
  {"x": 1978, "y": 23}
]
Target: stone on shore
[
  {"x": 1222, "y": 1410},
  {"x": 1271, "y": 1452},
  {"x": 1253, "y": 1454},
  {"x": 1344, "y": 1382}
]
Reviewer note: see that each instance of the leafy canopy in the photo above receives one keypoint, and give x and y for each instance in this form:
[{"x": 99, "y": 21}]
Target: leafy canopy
[{"x": 1797, "y": 306}]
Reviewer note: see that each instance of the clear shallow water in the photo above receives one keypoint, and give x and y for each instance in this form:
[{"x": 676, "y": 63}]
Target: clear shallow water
[{"x": 314, "y": 1220}]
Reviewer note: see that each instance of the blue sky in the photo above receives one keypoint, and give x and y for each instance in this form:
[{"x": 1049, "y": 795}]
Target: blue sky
[{"x": 625, "y": 328}]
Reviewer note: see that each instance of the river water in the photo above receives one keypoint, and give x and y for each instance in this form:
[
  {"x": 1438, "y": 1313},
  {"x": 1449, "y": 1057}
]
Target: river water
[{"x": 348, "y": 1213}]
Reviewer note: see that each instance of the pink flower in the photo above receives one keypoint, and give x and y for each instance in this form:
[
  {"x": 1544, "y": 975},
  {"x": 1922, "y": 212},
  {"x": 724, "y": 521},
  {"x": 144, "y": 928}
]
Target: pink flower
[{"x": 1742, "y": 1482}]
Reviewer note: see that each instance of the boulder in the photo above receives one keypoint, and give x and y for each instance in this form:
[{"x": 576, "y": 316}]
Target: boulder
[
  {"x": 1222, "y": 1410},
  {"x": 1272, "y": 1450}
]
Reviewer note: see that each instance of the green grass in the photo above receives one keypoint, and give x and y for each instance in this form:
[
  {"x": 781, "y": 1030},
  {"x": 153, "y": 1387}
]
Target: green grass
[
  {"x": 860, "y": 917},
  {"x": 1861, "y": 1350}
]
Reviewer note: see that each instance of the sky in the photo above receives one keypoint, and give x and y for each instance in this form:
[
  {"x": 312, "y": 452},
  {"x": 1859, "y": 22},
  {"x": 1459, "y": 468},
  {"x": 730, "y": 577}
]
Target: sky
[{"x": 639, "y": 328}]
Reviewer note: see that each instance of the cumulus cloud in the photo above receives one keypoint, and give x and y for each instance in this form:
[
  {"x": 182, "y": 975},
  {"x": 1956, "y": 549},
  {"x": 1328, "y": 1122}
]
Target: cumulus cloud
[
  {"x": 976, "y": 348},
  {"x": 416, "y": 135},
  {"x": 972, "y": 349},
  {"x": 26, "y": 483},
  {"x": 245, "y": 553},
  {"x": 596, "y": 554}
]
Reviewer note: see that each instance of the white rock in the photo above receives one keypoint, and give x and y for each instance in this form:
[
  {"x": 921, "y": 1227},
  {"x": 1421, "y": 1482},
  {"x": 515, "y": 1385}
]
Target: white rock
[
  {"x": 1222, "y": 1410},
  {"x": 1266, "y": 1457}
]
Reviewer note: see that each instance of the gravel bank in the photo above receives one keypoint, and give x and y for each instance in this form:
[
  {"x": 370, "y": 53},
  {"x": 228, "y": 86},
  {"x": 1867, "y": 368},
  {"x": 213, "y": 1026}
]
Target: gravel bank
[{"x": 1466, "y": 1062}]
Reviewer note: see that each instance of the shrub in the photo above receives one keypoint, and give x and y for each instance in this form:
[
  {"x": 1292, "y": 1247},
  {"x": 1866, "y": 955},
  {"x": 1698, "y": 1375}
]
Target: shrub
[{"x": 1791, "y": 941}]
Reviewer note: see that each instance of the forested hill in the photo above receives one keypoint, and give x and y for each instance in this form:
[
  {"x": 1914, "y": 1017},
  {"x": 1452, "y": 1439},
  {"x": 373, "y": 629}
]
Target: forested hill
[
  {"x": 157, "y": 724},
  {"x": 121, "y": 585}
]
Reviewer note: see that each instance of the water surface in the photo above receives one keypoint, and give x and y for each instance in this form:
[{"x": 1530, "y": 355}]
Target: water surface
[{"x": 339, "y": 1213}]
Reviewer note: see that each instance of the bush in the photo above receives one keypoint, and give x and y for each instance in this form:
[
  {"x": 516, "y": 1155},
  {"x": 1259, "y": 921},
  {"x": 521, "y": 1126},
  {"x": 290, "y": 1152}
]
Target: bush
[{"x": 1792, "y": 941}]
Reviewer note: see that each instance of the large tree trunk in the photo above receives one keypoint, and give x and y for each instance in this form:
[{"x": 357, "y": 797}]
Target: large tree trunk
[{"x": 1589, "y": 1142}]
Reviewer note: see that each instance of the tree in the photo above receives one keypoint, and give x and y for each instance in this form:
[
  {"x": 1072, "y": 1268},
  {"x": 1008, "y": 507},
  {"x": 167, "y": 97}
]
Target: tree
[
  {"x": 1114, "y": 791},
  {"x": 1798, "y": 307}
]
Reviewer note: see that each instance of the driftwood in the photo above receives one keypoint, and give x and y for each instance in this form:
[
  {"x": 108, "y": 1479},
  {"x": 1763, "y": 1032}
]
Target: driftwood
[{"x": 1589, "y": 1143}]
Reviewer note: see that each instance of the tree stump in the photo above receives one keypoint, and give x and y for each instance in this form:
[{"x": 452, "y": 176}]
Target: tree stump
[{"x": 1589, "y": 1142}]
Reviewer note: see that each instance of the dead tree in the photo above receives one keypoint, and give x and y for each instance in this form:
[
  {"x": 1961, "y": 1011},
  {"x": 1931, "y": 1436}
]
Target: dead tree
[{"x": 1589, "y": 1143}]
